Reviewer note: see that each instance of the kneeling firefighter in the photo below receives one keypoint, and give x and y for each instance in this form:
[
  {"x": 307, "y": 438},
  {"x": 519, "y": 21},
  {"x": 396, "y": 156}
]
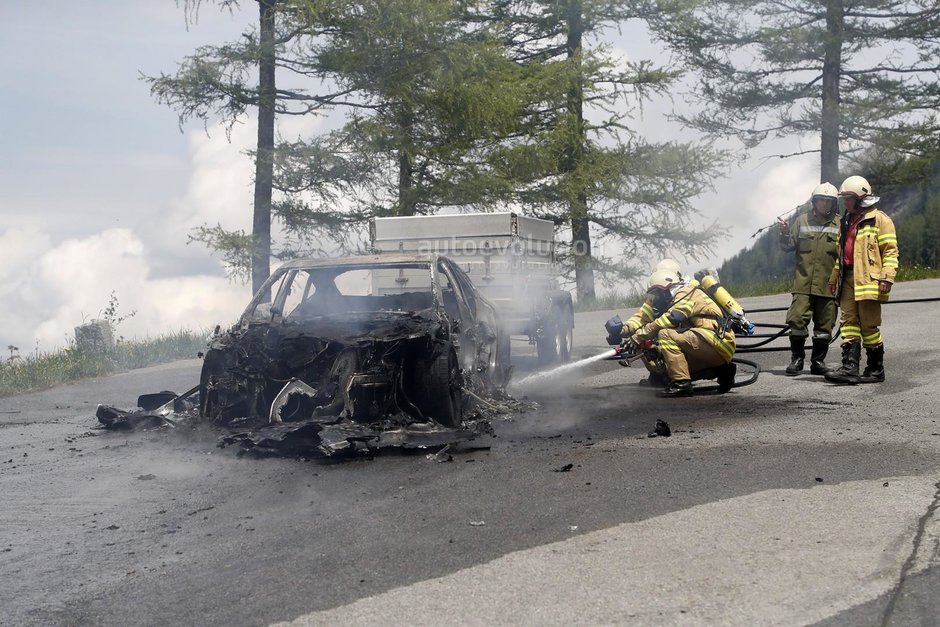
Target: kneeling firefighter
[
  {"x": 693, "y": 332},
  {"x": 667, "y": 270}
]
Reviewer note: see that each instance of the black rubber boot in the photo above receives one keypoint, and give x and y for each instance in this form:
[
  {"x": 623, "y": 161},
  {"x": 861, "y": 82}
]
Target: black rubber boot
[
  {"x": 798, "y": 354},
  {"x": 726, "y": 377},
  {"x": 677, "y": 388},
  {"x": 818, "y": 357},
  {"x": 875, "y": 368},
  {"x": 847, "y": 373}
]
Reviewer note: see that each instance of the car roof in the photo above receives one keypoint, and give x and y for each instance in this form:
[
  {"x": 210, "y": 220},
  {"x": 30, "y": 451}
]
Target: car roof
[{"x": 359, "y": 260}]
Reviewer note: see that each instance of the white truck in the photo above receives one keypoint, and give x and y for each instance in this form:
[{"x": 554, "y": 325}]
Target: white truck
[{"x": 510, "y": 259}]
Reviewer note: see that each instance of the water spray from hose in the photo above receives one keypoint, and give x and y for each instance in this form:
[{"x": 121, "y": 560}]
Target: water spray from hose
[{"x": 547, "y": 374}]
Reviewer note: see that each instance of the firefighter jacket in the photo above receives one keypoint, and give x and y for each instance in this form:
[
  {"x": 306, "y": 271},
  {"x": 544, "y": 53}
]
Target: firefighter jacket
[
  {"x": 815, "y": 242},
  {"x": 692, "y": 309},
  {"x": 875, "y": 256},
  {"x": 645, "y": 314}
]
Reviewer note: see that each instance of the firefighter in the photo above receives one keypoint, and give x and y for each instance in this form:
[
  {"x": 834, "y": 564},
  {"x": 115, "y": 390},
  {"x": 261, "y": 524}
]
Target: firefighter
[
  {"x": 813, "y": 237},
  {"x": 689, "y": 333},
  {"x": 861, "y": 279},
  {"x": 669, "y": 271}
]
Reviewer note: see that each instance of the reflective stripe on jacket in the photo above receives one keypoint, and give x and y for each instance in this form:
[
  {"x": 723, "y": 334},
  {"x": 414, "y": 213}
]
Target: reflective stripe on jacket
[
  {"x": 816, "y": 245},
  {"x": 694, "y": 310},
  {"x": 875, "y": 256}
]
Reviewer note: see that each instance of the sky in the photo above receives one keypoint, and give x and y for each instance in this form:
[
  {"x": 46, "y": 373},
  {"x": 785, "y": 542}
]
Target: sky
[{"x": 99, "y": 186}]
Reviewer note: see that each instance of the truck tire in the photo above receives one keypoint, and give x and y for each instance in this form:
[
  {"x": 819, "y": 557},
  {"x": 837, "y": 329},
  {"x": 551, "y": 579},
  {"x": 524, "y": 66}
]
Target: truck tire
[
  {"x": 564, "y": 334},
  {"x": 442, "y": 398},
  {"x": 546, "y": 345}
]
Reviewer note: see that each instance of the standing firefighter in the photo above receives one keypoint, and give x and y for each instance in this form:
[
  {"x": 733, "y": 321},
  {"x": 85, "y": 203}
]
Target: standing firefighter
[
  {"x": 814, "y": 238},
  {"x": 861, "y": 280},
  {"x": 690, "y": 334}
]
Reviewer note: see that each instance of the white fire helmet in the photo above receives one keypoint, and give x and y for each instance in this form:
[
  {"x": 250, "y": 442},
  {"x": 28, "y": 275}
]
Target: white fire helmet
[
  {"x": 826, "y": 190},
  {"x": 670, "y": 265},
  {"x": 858, "y": 187},
  {"x": 662, "y": 279}
]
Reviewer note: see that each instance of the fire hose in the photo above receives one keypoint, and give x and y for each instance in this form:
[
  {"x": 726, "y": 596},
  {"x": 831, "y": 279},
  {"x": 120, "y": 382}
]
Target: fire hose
[
  {"x": 626, "y": 352},
  {"x": 784, "y": 331}
]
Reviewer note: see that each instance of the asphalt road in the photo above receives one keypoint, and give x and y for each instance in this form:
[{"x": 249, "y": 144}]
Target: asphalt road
[{"x": 789, "y": 501}]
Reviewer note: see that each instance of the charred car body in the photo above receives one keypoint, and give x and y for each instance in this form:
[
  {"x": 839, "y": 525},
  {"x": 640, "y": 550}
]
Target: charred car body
[{"x": 378, "y": 341}]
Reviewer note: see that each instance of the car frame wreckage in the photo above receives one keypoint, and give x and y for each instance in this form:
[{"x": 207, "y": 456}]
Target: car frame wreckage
[{"x": 350, "y": 354}]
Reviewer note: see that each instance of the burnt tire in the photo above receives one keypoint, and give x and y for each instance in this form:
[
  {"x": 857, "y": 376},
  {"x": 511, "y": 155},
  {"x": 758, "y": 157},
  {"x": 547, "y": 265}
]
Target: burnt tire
[{"x": 442, "y": 395}]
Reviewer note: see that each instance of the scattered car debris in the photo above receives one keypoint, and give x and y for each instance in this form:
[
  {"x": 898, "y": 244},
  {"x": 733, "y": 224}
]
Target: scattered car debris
[
  {"x": 477, "y": 523},
  {"x": 441, "y": 456},
  {"x": 661, "y": 429},
  {"x": 565, "y": 468}
]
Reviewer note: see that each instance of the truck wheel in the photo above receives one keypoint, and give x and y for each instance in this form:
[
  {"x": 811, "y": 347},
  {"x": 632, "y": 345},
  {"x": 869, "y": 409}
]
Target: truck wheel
[
  {"x": 547, "y": 346},
  {"x": 564, "y": 336},
  {"x": 443, "y": 398}
]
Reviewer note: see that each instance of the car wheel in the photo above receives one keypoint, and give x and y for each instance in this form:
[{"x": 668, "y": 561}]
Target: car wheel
[{"x": 443, "y": 397}]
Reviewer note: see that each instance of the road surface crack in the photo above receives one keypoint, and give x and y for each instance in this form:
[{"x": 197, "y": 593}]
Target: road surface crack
[{"x": 909, "y": 562}]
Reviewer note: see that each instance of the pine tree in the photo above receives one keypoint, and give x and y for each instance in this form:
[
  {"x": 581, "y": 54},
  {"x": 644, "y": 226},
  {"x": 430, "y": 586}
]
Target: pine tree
[
  {"x": 579, "y": 158},
  {"x": 224, "y": 82},
  {"x": 852, "y": 72}
]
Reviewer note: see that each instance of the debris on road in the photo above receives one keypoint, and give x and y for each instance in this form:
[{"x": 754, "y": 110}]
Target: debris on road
[
  {"x": 441, "y": 456},
  {"x": 661, "y": 429}
]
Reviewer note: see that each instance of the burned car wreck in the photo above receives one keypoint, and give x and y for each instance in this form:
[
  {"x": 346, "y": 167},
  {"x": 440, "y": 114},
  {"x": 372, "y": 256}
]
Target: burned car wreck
[{"x": 387, "y": 350}]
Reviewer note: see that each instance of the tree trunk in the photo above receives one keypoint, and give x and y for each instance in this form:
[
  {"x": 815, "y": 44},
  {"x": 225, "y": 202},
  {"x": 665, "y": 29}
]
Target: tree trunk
[
  {"x": 577, "y": 203},
  {"x": 264, "y": 159},
  {"x": 406, "y": 192},
  {"x": 831, "y": 99}
]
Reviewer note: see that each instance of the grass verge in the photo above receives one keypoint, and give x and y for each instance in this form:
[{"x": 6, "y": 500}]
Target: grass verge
[{"x": 39, "y": 371}]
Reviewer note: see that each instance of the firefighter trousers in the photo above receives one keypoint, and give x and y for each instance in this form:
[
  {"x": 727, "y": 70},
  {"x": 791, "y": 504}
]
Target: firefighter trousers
[
  {"x": 692, "y": 354},
  {"x": 860, "y": 319},
  {"x": 821, "y": 310}
]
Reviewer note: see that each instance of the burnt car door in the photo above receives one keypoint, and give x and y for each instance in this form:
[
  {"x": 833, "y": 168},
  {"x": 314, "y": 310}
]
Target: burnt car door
[
  {"x": 488, "y": 335},
  {"x": 477, "y": 340}
]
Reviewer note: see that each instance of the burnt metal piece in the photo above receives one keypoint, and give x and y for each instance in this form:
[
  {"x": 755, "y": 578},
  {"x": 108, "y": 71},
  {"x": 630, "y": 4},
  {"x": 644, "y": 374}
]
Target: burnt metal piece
[
  {"x": 661, "y": 429},
  {"x": 120, "y": 420}
]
